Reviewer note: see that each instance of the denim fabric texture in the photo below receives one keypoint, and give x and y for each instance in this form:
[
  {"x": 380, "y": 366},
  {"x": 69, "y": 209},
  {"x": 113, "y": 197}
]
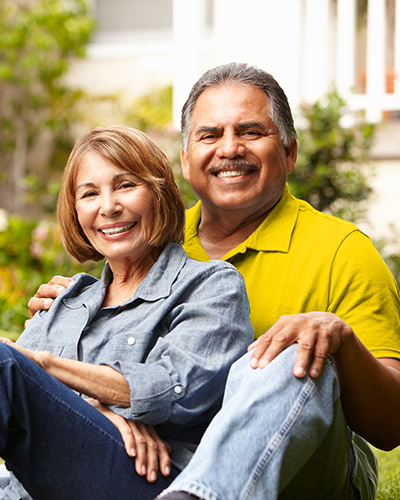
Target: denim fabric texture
[
  {"x": 276, "y": 436},
  {"x": 174, "y": 341}
]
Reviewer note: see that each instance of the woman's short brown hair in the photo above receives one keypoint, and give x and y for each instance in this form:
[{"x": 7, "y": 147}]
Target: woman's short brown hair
[{"x": 134, "y": 152}]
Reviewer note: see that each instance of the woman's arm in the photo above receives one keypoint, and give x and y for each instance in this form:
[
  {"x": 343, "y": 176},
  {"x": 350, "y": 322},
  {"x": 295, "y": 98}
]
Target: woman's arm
[{"x": 96, "y": 381}]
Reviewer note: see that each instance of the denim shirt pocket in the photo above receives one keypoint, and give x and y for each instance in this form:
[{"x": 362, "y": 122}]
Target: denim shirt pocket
[{"x": 126, "y": 347}]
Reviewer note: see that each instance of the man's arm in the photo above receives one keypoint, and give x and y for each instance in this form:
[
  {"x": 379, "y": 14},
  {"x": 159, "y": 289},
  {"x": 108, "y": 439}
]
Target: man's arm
[{"x": 370, "y": 387}]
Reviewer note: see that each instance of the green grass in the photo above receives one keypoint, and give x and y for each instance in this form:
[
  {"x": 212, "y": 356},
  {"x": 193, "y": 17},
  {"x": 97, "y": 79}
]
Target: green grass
[{"x": 389, "y": 474}]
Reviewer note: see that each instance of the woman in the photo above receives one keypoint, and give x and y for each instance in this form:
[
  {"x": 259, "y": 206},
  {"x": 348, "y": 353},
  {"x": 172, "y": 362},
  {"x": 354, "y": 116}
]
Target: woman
[{"x": 153, "y": 339}]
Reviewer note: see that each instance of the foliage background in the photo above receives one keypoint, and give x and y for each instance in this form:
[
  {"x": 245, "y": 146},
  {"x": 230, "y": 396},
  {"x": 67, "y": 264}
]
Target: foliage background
[{"x": 39, "y": 113}]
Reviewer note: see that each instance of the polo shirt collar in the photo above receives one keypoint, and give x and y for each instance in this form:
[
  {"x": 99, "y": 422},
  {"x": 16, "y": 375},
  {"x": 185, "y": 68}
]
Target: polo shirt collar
[{"x": 272, "y": 235}]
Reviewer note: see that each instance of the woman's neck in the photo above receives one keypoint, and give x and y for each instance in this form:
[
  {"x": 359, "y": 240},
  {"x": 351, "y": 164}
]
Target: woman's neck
[{"x": 127, "y": 278}]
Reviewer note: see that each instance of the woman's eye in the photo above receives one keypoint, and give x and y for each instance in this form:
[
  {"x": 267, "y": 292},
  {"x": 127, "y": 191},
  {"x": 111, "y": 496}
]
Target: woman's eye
[
  {"x": 88, "y": 194},
  {"x": 125, "y": 185}
]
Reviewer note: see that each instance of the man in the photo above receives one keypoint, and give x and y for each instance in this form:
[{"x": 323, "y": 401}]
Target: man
[{"x": 279, "y": 434}]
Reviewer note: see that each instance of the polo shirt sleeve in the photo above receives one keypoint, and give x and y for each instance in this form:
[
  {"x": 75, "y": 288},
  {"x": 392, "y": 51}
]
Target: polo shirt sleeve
[
  {"x": 364, "y": 293},
  {"x": 185, "y": 372}
]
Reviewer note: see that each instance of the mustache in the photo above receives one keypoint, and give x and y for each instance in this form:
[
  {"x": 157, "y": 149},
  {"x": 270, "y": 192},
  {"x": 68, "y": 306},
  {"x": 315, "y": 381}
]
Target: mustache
[{"x": 238, "y": 164}]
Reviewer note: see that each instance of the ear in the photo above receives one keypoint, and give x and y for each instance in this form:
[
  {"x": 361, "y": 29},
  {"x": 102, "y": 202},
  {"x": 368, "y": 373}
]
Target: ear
[
  {"x": 291, "y": 157},
  {"x": 185, "y": 165}
]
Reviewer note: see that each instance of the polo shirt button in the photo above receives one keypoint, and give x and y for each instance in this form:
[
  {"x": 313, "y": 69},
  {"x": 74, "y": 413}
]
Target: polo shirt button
[
  {"x": 178, "y": 389},
  {"x": 131, "y": 340}
]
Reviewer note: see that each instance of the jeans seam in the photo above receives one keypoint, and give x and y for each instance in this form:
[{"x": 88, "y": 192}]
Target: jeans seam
[{"x": 278, "y": 437}]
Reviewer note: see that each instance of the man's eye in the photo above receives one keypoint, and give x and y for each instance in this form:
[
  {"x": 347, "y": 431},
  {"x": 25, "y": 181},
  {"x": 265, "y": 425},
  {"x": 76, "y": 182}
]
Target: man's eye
[
  {"x": 252, "y": 133},
  {"x": 208, "y": 137}
]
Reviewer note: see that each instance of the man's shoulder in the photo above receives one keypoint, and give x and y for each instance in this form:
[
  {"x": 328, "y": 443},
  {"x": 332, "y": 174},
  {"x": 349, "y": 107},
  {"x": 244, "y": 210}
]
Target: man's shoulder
[{"x": 323, "y": 219}]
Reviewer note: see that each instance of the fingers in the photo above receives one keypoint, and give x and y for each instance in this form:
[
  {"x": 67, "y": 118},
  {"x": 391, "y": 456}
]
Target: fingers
[
  {"x": 43, "y": 298},
  {"x": 120, "y": 423},
  {"x": 164, "y": 452},
  {"x": 317, "y": 335},
  {"x": 142, "y": 442},
  {"x": 147, "y": 453}
]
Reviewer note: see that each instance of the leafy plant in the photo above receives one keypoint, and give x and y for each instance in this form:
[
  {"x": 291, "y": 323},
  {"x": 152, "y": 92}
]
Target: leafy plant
[
  {"x": 37, "y": 38},
  {"x": 332, "y": 169},
  {"x": 31, "y": 253}
]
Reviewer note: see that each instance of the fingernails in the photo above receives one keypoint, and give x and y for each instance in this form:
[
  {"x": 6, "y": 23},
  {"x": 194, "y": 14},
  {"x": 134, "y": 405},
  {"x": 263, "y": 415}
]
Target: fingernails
[
  {"x": 167, "y": 470},
  {"x": 133, "y": 452},
  {"x": 47, "y": 303},
  {"x": 144, "y": 470},
  {"x": 263, "y": 363},
  {"x": 153, "y": 476},
  {"x": 254, "y": 362}
]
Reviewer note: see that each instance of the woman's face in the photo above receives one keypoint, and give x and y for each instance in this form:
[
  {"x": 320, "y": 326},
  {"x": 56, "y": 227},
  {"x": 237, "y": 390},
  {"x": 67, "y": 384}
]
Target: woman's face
[{"x": 115, "y": 210}]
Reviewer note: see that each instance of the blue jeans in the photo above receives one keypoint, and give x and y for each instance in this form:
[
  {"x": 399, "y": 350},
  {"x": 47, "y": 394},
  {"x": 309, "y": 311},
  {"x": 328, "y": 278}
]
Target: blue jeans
[
  {"x": 57, "y": 445},
  {"x": 275, "y": 436}
]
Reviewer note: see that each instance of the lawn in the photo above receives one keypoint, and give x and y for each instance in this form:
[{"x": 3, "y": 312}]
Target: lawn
[{"x": 389, "y": 474}]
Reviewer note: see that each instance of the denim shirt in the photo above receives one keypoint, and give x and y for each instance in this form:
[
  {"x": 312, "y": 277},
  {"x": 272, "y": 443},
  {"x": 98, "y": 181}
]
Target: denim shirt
[{"x": 174, "y": 340}]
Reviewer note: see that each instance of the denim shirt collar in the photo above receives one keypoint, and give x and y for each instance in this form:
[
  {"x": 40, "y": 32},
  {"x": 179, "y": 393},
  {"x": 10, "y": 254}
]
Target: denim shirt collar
[{"x": 156, "y": 285}]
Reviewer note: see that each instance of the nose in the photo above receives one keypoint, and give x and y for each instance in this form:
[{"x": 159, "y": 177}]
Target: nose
[
  {"x": 110, "y": 205},
  {"x": 231, "y": 145}
]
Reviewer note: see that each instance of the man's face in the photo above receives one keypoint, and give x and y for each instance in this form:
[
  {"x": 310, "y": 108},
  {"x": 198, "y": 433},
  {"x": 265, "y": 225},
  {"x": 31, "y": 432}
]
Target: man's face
[{"x": 235, "y": 160}]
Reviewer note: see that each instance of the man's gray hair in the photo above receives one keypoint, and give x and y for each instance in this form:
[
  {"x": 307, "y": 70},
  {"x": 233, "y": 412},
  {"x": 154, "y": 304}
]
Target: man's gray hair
[{"x": 242, "y": 74}]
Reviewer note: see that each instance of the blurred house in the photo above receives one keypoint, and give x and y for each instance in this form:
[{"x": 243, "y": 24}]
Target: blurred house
[{"x": 308, "y": 45}]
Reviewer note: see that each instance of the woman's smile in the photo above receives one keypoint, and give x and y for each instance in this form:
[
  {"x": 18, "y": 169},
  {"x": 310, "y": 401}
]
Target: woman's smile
[
  {"x": 112, "y": 230},
  {"x": 115, "y": 210}
]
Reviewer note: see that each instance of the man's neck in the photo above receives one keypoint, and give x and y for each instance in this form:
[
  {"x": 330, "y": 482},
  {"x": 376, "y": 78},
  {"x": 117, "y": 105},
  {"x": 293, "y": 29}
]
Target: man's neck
[{"x": 219, "y": 235}]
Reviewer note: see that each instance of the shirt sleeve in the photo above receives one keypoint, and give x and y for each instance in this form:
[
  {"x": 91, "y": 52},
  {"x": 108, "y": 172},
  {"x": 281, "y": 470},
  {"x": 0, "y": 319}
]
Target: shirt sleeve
[
  {"x": 364, "y": 293},
  {"x": 185, "y": 372}
]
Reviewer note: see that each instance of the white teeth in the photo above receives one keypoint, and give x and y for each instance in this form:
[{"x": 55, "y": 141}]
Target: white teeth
[
  {"x": 231, "y": 173},
  {"x": 116, "y": 230}
]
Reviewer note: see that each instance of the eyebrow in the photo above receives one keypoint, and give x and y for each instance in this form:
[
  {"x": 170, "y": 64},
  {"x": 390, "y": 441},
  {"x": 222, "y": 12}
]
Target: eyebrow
[
  {"x": 206, "y": 128},
  {"x": 240, "y": 126},
  {"x": 252, "y": 124},
  {"x": 115, "y": 178}
]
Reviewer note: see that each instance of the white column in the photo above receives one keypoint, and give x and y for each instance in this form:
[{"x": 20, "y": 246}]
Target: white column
[
  {"x": 224, "y": 26},
  {"x": 242, "y": 31},
  {"x": 189, "y": 18},
  {"x": 316, "y": 70},
  {"x": 285, "y": 44},
  {"x": 375, "y": 84},
  {"x": 346, "y": 35}
]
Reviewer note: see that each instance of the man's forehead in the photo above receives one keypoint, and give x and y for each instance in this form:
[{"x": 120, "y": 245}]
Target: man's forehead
[{"x": 235, "y": 106}]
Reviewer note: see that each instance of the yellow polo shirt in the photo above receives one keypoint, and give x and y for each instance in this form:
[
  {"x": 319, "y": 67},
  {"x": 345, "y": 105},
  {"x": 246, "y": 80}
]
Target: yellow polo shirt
[{"x": 301, "y": 260}]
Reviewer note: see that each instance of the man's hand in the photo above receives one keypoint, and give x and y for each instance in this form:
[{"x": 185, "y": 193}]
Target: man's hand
[
  {"x": 46, "y": 293},
  {"x": 316, "y": 333},
  {"x": 141, "y": 441}
]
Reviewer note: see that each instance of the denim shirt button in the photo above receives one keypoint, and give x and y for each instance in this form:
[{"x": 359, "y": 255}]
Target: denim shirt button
[
  {"x": 131, "y": 340},
  {"x": 178, "y": 389}
]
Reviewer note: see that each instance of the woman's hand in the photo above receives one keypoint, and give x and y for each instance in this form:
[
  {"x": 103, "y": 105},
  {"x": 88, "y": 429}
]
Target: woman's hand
[
  {"x": 46, "y": 293},
  {"x": 316, "y": 333},
  {"x": 141, "y": 441},
  {"x": 38, "y": 357}
]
